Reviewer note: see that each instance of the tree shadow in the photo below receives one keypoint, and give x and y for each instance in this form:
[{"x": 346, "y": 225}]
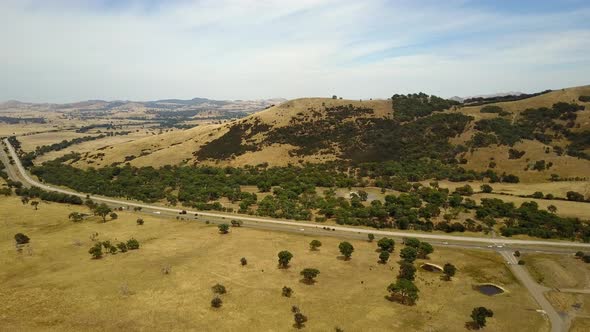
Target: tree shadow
[
  {"x": 343, "y": 258},
  {"x": 307, "y": 281}
]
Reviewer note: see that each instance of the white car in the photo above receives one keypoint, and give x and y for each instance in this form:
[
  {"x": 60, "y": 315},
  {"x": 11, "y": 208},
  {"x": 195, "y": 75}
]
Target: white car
[
  {"x": 302, "y": 229},
  {"x": 157, "y": 212}
]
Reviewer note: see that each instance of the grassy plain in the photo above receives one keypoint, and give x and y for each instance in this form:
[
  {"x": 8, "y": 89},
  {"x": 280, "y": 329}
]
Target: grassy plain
[{"x": 55, "y": 285}]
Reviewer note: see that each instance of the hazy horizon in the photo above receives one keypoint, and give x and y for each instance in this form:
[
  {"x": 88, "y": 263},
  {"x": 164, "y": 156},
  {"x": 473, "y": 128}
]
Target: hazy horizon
[{"x": 67, "y": 51}]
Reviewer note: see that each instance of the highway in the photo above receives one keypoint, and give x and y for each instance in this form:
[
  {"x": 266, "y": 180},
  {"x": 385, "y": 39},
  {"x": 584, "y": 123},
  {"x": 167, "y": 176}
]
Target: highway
[{"x": 306, "y": 227}]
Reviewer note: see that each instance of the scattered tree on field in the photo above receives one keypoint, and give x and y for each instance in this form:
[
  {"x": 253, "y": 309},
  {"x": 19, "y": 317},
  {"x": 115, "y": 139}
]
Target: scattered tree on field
[
  {"x": 122, "y": 247},
  {"x": 386, "y": 244},
  {"x": 383, "y": 257},
  {"x": 96, "y": 251},
  {"x": 479, "y": 315},
  {"x": 403, "y": 291},
  {"x": 243, "y": 261},
  {"x": 406, "y": 271},
  {"x": 75, "y": 217},
  {"x": 103, "y": 211},
  {"x": 346, "y": 249},
  {"x": 314, "y": 245},
  {"x": 552, "y": 209},
  {"x": 408, "y": 254},
  {"x": 113, "y": 216},
  {"x": 449, "y": 271},
  {"x": 132, "y": 244},
  {"x": 309, "y": 275},
  {"x": 425, "y": 249},
  {"x": 284, "y": 259},
  {"x": 35, "y": 204},
  {"x": 139, "y": 221},
  {"x": 371, "y": 237},
  {"x": 223, "y": 228}
]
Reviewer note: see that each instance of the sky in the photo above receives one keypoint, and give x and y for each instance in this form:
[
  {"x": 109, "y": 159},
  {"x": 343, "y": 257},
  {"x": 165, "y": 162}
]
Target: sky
[{"x": 72, "y": 50}]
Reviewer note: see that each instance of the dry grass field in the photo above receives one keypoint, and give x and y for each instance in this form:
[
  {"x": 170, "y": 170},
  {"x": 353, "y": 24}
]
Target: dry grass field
[
  {"x": 54, "y": 285},
  {"x": 179, "y": 147},
  {"x": 558, "y": 271}
]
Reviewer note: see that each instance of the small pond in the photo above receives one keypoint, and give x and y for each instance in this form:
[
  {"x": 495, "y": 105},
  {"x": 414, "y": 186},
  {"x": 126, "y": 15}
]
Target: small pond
[
  {"x": 431, "y": 267},
  {"x": 489, "y": 289}
]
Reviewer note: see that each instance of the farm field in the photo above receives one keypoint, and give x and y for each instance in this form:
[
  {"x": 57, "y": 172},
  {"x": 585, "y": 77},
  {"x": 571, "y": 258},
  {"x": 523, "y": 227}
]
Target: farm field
[{"x": 55, "y": 285}]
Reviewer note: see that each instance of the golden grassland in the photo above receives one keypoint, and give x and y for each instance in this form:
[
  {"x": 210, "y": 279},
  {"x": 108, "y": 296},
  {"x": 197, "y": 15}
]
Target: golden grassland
[
  {"x": 561, "y": 272},
  {"x": 178, "y": 147},
  {"x": 54, "y": 285},
  {"x": 558, "y": 271}
]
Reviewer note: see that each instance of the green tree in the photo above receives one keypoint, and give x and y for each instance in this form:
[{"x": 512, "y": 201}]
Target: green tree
[
  {"x": 486, "y": 188},
  {"x": 75, "y": 216},
  {"x": 386, "y": 244},
  {"x": 314, "y": 245},
  {"x": 243, "y": 261},
  {"x": 223, "y": 228},
  {"x": 139, "y": 221},
  {"x": 132, "y": 244},
  {"x": 21, "y": 238},
  {"x": 449, "y": 271},
  {"x": 406, "y": 271},
  {"x": 552, "y": 208},
  {"x": 383, "y": 257},
  {"x": 408, "y": 254},
  {"x": 363, "y": 195},
  {"x": 309, "y": 274},
  {"x": 103, "y": 211},
  {"x": 425, "y": 249},
  {"x": 412, "y": 242},
  {"x": 96, "y": 251},
  {"x": 479, "y": 315},
  {"x": 371, "y": 237},
  {"x": 113, "y": 216},
  {"x": 122, "y": 247},
  {"x": 404, "y": 291},
  {"x": 346, "y": 249},
  {"x": 35, "y": 204},
  {"x": 284, "y": 259}
]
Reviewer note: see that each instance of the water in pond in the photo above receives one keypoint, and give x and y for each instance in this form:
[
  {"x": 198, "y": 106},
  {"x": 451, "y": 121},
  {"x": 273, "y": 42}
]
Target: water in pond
[
  {"x": 430, "y": 268},
  {"x": 489, "y": 290}
]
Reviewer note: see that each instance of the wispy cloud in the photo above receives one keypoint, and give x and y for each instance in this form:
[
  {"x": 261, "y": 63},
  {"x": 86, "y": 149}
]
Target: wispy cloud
[{"x": 229, "y": 49}]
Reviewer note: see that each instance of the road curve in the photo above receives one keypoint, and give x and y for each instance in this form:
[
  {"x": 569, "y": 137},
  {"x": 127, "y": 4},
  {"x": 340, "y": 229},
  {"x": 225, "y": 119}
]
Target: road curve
[{"x": 461, "y": 239}]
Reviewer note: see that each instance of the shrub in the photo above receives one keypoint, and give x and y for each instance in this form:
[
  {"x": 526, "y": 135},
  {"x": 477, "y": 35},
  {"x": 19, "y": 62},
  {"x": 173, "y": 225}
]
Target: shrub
[
  {"x": 216, "y": 302},
  {"x": 309, "y": 274},
  {"x": 132, "y": 244},
  {"x": 218, "y": 289},
  {"x": 243, "y": 261},
  {"x": 287, "y": 291},
  {"x": 21, "y": 238},
  {"x": 139, "y": 221},
  {"x": 314, "y": 245},
  {"x": 96, "y": 251},
  {"x": 122, "y": 247},
  {"x": 223, "y": 228}
]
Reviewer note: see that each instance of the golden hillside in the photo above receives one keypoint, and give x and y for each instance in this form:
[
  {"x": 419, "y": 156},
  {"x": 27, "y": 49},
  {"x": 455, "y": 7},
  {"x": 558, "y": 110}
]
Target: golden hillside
[{"x": 264, "y": 137}]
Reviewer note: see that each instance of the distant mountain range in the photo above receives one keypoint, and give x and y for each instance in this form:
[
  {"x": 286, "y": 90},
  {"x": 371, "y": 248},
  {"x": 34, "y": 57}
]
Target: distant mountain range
[{"x": 500, "y": 94}]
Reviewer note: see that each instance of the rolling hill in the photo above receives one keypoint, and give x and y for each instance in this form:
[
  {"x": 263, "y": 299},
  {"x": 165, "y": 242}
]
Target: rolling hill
[{"x": 532, "y": 137}]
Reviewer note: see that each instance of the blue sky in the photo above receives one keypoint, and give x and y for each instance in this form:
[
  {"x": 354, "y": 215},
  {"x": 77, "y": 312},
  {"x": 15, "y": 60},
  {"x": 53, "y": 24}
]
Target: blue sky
[{"x": 69, "y": 50}]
